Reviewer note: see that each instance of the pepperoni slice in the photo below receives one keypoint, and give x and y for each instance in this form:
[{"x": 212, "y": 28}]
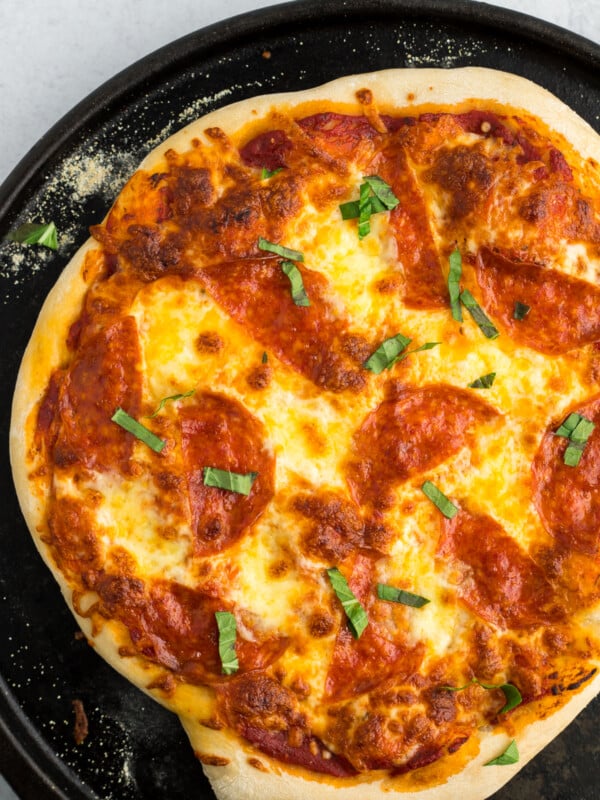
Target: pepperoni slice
[
  {"x": 219, "y": 432},
  {"x": 568, "y": 498},
  {"x": 341, "y": 136},
  {"x": 565, "y": 311},
  {"x": 269, "y": 150},
  {"x": 306, "y": 751},
  {"x": 499, "y": 581},
  {"x": 104, "y": 375},
  {"x": 383, "y": 650},
  {"x": 424, "y": 284},
  {"x": 175, "y": 626},
  {"x": 411, "y": 434},
  {"x": 313, "y": 339}
]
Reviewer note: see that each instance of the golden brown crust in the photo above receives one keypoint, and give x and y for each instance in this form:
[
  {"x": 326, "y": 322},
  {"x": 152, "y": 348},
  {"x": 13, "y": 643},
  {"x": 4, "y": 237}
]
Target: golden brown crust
[{"x": 230, "y": 763}]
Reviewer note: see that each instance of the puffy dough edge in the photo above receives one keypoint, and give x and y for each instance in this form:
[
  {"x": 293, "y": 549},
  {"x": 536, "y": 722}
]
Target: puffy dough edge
[
  {"x": 45, "y": 353},
  {"x": 239, "y": 779}
]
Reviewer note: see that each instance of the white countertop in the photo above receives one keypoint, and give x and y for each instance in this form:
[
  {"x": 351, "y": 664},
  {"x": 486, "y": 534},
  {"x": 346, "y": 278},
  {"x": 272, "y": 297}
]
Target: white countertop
[{"x": 54, "y": 54}]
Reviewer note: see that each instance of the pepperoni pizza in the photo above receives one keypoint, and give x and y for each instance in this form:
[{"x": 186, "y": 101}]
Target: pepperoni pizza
[{"x": 308, "y": 432}]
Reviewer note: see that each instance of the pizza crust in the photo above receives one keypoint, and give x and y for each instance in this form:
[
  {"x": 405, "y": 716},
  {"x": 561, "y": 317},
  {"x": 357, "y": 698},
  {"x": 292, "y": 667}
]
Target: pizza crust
[{"x": 242, "y": 776}]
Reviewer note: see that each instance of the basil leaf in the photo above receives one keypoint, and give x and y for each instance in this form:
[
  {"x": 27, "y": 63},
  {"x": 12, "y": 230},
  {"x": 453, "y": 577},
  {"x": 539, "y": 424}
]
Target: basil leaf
[
  {"x": 509, "y": 756},
  {"x": 35, "y": 233},
  {"x": 230, "y": 481},
  {"x": 382, "y": 199},
  {"x": 165, "y": 400},
  {"x": 364, "y": 211},
  {"x": 357, "y": 616},
  {"x": 142, "y": 433},
  {"x": 393, "y": 595},
  {"x": 299, "y": 295},
  {"x": 265, "y": 358},
  {"x": 484, "y": 382},
  {"x": 511, "y": 694},
  {"x": 521, "y": 310},
  {"x": 487, "y": 327},
  {"x": 351, "y": 210},
  {"x": 279, "y": 250},
  {"x": 582, "y": 431},
  {"x": 386, "y": 354},
  {"x": 382, "y": 191},
  {"x": 569, "y": 425},
  {"x": 439, "y": 500},
  {"x": 227, "y": 626},
  {"x": 577, "y": 429},
  {"x": 269, "y": 173},
  {"x": 426, "y": 346},
  {"x": 454, "y": 277},
  {"x": 572, "y": 455}
]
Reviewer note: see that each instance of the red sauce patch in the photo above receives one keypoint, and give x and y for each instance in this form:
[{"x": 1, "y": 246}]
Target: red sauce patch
[
  {"x": 409, "y": 435},
  {"x": 568, "y": 498},
  {"x": 565, "y": 311},
  {"x": 217, "y": 431},
  {"x": 311, "y": 339},
  {"x": 499, "y": 581}
]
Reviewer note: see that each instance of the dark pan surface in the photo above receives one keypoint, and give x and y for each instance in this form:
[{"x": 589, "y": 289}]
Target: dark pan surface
[{"x": 135, "y": 749}]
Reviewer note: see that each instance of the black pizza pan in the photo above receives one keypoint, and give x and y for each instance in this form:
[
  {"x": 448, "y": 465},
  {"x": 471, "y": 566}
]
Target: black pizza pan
[{"x": 135, "y": 750}]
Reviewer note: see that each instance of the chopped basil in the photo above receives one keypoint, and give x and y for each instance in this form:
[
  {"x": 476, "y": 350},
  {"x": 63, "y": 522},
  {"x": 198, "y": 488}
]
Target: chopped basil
[
  {"x": 279, "y": 250},
  {"x": 142, "y": 433},
  {"x": 375, "y": 195},
  {"x": 487, "y": 327},
  {"x": 454, "y": 277},
  {"x": 509, "y": 756},
  {"x": 364, "y": 211},
  {"x": 227, "y": 626},
  {"x": 382, "y": 191},
  {"x": 521, "y": 310},
  {"x": 299, "y": 295},
  {"x": 35, "y": 233},
  {"x": 391, "y": 351},
  {"x": 269, "y": 173},
  {"x": 484, "y": 382},
  {"x": 426, "y": 346},
  {"x": 569, "y": 425},
  {"x": 265, "y": 358},
  {"x": 577, "y": 429},
  {"x": 351, "y": 210},
  {"x": 231, "y": 481},
  {"x": 511, "y": 694},
  {"x": 439, "y": 500},
  {"x": 357, "y": 616},
  {"x": 386, "y": 354},
  {"x": 165, "y": 400},
  {"x": 393, "y": 595},
  {"x": 572, "y": 455}
]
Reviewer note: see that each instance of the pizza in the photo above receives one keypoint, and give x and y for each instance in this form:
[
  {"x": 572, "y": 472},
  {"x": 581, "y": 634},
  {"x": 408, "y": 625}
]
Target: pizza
[{"x": 308, "y": 433}]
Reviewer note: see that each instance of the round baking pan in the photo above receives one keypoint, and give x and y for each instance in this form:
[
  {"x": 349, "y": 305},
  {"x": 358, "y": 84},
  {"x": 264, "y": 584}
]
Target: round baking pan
[{"x": 135, "y": 750}]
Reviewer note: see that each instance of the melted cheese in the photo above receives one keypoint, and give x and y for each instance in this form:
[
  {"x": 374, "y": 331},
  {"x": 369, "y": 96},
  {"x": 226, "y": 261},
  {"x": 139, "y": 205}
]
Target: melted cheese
[{"x": 311, "y": 434}]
